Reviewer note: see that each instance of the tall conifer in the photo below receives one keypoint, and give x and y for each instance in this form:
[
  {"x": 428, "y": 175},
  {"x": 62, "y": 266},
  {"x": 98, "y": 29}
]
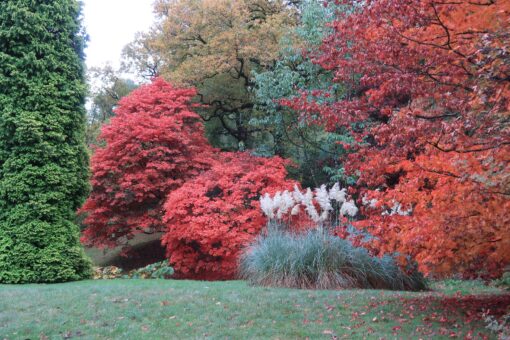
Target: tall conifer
[{"x": 43, "y": 159}]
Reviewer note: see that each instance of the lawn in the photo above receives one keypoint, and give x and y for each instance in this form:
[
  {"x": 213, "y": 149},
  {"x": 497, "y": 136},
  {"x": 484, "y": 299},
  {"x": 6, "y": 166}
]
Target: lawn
[{"x": 159, "y": 309}]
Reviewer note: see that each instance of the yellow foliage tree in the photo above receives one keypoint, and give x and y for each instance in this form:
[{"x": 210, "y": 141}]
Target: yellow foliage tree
[{"x": 214, "y": 45}]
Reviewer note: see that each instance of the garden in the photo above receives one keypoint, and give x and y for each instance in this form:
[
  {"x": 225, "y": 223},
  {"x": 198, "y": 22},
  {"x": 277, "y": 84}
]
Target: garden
[{"x": 258, "y": 169}]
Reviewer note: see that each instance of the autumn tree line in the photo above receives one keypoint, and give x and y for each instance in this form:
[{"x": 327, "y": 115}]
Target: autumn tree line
[{"x": 403, "y": 103}]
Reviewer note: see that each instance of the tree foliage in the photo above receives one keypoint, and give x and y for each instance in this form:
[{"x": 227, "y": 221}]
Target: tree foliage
[
  {"x": 157, "y": 172},
  {"x": 430, "y": 117},
  {"x": 153, "y": 145},
  {"x": 43, "y": 159},
  {"x": 107, "y": 88},
  {"x": 214, "y": 46},
  {"x": 211, "y": 218},
  {"x": 315, "y": 151}
]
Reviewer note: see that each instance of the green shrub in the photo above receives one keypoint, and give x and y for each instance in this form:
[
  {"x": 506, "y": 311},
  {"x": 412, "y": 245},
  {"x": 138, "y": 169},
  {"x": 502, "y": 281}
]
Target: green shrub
[
  {"x": 504, "y": 281},
  {"x": 318, "y": 260},
  {"x": 158, "y": 270}
]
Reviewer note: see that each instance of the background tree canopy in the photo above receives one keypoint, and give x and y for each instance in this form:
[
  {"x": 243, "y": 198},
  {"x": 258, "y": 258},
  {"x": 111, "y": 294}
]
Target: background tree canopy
[{"x": 215, "y": 46}]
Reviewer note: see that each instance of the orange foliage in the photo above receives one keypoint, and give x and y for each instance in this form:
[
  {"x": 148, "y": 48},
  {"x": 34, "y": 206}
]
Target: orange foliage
[{"x": 433, "y": 100}]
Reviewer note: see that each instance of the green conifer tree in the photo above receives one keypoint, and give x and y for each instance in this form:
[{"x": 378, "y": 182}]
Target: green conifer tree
[{"x": 43, "y": 158}]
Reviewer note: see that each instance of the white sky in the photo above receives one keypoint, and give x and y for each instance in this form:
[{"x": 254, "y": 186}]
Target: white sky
[{"x": 112, "y": 24}]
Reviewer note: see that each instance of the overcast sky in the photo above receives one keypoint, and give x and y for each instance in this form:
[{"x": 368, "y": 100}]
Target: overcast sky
[{"x": 111, "y": 24}]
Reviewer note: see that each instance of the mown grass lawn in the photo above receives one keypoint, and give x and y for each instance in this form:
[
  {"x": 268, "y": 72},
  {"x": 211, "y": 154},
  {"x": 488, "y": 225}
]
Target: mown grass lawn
[{"x": 159, "y": 309}]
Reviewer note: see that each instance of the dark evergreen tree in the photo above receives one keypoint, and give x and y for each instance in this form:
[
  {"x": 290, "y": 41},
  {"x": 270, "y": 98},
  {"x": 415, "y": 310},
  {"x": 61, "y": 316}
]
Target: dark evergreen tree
[{"x": 43, "y": 158}]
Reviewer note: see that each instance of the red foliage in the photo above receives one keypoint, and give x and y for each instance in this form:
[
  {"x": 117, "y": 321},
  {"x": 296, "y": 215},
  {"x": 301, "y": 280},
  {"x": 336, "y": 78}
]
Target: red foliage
[
  {"x": 155, "y": 152},
  {"x": 430, "y": 84},
  {"x": 213, "y": 216},
  {"x": 152, "y": 146}
]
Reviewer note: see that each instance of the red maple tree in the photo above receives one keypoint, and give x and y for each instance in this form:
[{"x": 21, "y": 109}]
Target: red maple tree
[
  {"x": 157, "y": 173},
  {"x": 212, "y": 217},
  {"x": 429, "y": 108},
  {"x": 152, "y": 146}
]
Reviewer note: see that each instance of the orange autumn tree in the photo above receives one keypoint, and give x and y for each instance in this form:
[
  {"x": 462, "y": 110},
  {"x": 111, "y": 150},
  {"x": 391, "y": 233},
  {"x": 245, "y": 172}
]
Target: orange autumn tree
[{"x": 431, "y": 118}]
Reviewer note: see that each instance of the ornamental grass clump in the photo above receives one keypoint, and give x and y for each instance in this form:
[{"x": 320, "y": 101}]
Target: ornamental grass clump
[
  {"x": 300, "y": 248},
  {"x": 315, "y": 259}
]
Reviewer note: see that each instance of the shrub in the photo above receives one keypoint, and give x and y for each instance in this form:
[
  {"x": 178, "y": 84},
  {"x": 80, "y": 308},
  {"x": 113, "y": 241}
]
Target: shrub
[
  {"x": 504, "y": 281},
  {"x": 316, "y": 259},
  {"x": 107, "y": 273},
  {"x": 212, "y": 217},
  {"x": 153, "y": 145},
  {"x": 155, "y": 152},
  {"x": 158, "y": 270}
]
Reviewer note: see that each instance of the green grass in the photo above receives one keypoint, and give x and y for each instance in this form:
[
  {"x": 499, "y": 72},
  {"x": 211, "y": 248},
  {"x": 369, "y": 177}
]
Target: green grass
[{"x": 159, "y": 309}]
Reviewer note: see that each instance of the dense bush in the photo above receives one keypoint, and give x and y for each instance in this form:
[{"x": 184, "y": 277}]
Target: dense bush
[
  {"x": 504, "y": 281},
  {"x": 212, "y": 217},
  {"x": 158, "y": 270},
  {"x": 153, "y": 145},
  {"x": 43, "y": 158},
  {"x": 316, "y": 259},
  {"x": 107, "y": 273}
]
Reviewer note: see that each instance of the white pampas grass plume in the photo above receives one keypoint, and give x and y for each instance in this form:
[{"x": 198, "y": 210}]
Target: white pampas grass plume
[
  {"x": 337, "y": 194},
  {"x": 277, "y": 200},
  {"x": 312, "y": 212},
  {"x": 297, "y": 195},
  {"x": 307, "y": 197},
  {"x": 285, "y": 203},
  {"x": 349, "y": 208},
  {"x": 266, "y": 204},
  {"x": 322, "y": 198},
  {"x": 324, "y": 215}
]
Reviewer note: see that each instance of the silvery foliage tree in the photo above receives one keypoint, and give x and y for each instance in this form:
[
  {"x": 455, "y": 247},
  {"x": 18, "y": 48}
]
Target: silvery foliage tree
[{"x": 293, "y": 73}]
